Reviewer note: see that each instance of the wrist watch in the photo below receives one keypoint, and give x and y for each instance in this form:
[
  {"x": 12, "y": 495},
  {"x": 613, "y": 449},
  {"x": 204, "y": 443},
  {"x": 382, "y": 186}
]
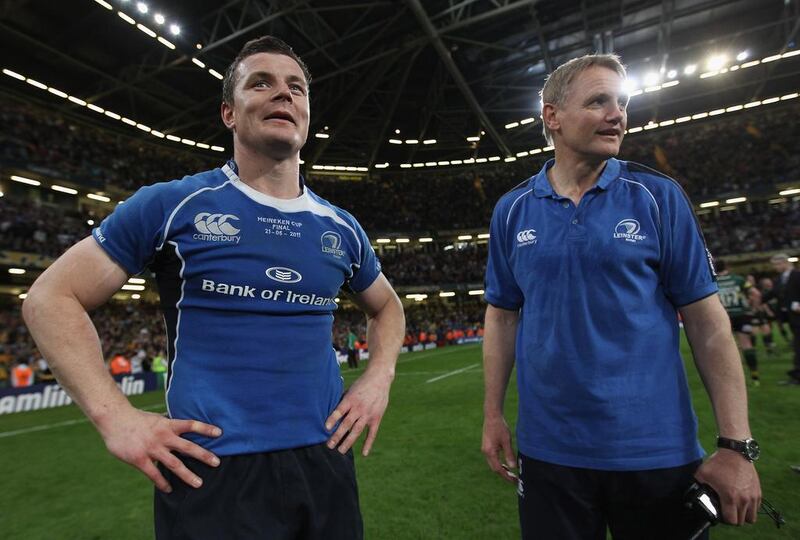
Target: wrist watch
[{"x": 748, "y": 447}]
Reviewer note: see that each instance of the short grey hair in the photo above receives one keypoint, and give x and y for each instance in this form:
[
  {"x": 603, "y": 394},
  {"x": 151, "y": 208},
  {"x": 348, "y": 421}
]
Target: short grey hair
[{"x": 556, "y": 86}]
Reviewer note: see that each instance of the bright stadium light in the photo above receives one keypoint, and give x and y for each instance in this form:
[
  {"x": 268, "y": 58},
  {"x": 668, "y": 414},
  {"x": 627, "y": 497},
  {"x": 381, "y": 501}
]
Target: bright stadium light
[
  {"x": 690, "y": 69},
  {"x": 651, "y": 79},
  {"x": 446, "y": 294},
  {"x": 136, "y": 281},
  {"x": 792, "y": 259},
  {"x": 16, "y": 271},
  {"x": 671, "y": 74},
  {"x": 24, "y": 180},
  {"x": 142, "y": 7},
  {"x": 174, "y": 29},
  {"x": 136, "y": 296},
  {"x": 425, "y": 239},
  {"x": 90, "y": 222},
  {"x": 159, "y": 18},
  {"x": 476, "y": 292},
  {"x": 716, "y": 61},
  {"x": 742, "y": 56}
]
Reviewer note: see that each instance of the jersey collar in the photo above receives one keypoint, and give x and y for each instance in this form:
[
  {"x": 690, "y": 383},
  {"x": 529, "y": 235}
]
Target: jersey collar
[
  {"x": 542, "y": 187},
  {"x": 235, "y": 168}
]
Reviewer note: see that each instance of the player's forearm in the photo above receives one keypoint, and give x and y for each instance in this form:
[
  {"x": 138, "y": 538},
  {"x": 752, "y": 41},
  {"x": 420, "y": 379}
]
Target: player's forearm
[
  {"x": 717, "y": 360},
  {"x": 385, "y": 332},
  {"x": 498, "y": 357},
  {"x": 68, "y": 340}
]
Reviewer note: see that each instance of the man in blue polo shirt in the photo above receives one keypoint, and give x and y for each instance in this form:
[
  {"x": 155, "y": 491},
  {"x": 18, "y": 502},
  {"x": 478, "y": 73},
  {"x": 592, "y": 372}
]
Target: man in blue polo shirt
[
  {"x": 248, "y": 262},
  {"x": 589, "y": 263}
]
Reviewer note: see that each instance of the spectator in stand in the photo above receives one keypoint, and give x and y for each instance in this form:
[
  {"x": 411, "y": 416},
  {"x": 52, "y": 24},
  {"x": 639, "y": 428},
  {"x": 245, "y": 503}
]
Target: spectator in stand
[{"x": 21, "y": 375}]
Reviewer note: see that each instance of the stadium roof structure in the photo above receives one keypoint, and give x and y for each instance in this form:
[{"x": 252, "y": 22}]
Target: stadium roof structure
[{"x": 390, "y": 77}]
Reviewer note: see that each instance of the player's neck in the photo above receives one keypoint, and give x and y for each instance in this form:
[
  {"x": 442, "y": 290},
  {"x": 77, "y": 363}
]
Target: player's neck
[
  {"x": 573, "y": 175},
  {"x": 273, "y": 177}
]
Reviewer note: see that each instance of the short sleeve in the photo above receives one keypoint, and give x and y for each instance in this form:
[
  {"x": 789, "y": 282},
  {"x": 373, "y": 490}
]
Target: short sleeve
[
  {"x": 130, "y": 235},
  {"x": 501, "y": 288},
  {"x": 367, "y": 269},
  {"x": 687, "y": 273}
]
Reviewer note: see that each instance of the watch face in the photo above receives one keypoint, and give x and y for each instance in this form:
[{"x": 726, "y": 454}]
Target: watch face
[{"x": 752, "y": 449}]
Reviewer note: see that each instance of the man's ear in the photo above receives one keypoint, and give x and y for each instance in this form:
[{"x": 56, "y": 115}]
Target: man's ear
[
  {"x": 549, "y": 117},
  {"x": 226, "y": 112}
]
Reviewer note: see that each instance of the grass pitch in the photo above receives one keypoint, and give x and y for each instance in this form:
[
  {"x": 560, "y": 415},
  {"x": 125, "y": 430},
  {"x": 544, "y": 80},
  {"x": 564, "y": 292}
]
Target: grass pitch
[{"x": 425, "y": 478}]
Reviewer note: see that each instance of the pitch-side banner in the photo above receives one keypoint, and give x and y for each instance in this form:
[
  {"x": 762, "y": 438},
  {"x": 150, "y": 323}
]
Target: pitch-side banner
[{"x": 47, "y": 396}]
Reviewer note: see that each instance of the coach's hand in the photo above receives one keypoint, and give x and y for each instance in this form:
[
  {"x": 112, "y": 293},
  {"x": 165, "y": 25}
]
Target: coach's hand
[
  {"x": 736, "y": 482},
  {"x": 140, "y": 438},
  {"x": 362, "y": 406},
  {"x": 497, "y": 442}
]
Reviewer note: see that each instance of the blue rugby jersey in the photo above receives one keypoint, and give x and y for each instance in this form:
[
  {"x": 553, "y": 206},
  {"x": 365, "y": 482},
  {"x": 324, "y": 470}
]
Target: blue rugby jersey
[
  {"x": 247, "y": 285},
  {"x": 601, "y": 380}
]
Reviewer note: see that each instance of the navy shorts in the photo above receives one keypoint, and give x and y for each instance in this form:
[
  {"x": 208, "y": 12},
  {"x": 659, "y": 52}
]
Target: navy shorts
[
  {"x": 305, "y": 493},
  {"x": 569, "y": 503}
]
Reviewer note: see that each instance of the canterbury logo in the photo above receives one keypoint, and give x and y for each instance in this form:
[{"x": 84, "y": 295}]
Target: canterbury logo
[
  {"x": 528, "y": 235},
  {"x": 218, "y": 224},
  {"x": 283, "y": 275}
]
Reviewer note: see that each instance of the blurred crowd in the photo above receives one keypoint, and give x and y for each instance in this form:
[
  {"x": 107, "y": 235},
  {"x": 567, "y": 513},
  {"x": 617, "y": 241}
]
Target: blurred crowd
[{"x": 134, "y": 332}]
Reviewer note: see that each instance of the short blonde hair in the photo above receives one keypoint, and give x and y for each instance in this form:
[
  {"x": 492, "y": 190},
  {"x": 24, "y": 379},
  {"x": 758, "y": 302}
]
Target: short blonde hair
[{"x": 556, "y": 87}]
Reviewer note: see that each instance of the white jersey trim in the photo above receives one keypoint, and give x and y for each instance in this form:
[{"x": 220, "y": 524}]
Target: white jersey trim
[
  {"x": 177, "y": 328},
  {"x": 658, "y": 210},
  {"x": 508, "y": 217},
  {"x": 303, "y": 203}
]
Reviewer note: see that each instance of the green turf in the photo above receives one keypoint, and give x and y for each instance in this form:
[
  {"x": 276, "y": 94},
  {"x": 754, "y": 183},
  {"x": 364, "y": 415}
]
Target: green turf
[{"x": 425, "y": 479}]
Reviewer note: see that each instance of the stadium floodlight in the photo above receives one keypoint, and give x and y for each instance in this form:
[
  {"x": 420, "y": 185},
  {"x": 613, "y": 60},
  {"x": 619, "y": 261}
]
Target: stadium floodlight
[
  {"x": 789, "y": 96},
  {"x": 174, "y": 29},
  {"x": 792, "y": 259},
  {"x": 90, "y": 222},
  {"x": 699, "y": 116},
  {"x": 735, "y": 200},
  {"x": 13, "y": 74},
  {"x": 142, "y": 7},
  {"x": 402, "y": 240},
  {"x": 37, "y": 84},
  {"x": 97, "y": 109},
  {"x": 742, "y": 56},
  {"x": 159, "y": 18},
  {"x": 96, "y": 197},
  {"x": 77, "y": 101},
  {"x": 395, "y": 141},
  {"x": 445, "y": 162},
  {"x": 709, "y": 204},
  {"x": 448, "y": 247},
  {"x": 405, "y": 165},
  {"x": 125, "y": 17},
  {"x": 455, "y": 162},
  {"x": 651, "y": 79},
  {"x": 429, "y": 141},
  {"x": 465, "y": 237},
  {"x": 716, "y": 61},
  {"x": 771, "y": 58},
  {"x": 24, "y": 180},
  {"x": 397, "y": 132},
  {"x": 383, "y": 240},
  {"x": 425, "y": 240},
  {"x": 412, "y": 141},
  {"x": 481, "y": 160},
  {"x": 322, "y": 136},
  {"x": 512, "y": 125},
  {"x": 548, "y": 148},
  {"x": 146, "y": 30},
  {"x": 62, "y": 189},
  {"x": 430, "y": 164},
  {"x": 136, "y": 281},
  {"x": 382, "y": 165},
  {"x": 494, "y": 158},
  {"x": 522, "y": 154},
  {"x": 58, "y": 92},
  {"x": 790, "y": 191},
  {"x": 136, "y": 296},
  {"x": 105, "y": 4},
  {"x": 670, "y": 84},
  {"x": 198, "y": 63},
  {"x": 473, "y": 139},
  {"x": 22, "y": 296},
  {"x": 170, "y": 45},
  {"x": 476, "y": 292},
  {"x": 510, "y": 159},
  {"x": 671, "y": 74},
  {"x": 127, "y": 287},
  {"x": 484, "y": 236},
  {"x": 188, "y": 142},
  {"x": 218, "y": 148},
  {"x": 690, "y": 69},
  {"x": 446, "y": 294},
  {"x": 1, "y": 193},
  {"x": 16, "y": 271},
  {"x": 630, "y": 85},
  {"x": 752, "y": 104},
  {"x": 636, "y": 129}
]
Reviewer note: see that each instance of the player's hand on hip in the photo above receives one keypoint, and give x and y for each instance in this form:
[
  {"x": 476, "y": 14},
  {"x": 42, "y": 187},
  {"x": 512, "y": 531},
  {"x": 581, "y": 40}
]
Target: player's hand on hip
[
  {"x": 141, "y": 438},
  {"x": 736, "y": 482},
  {"x": 496, "y": 445},
  {"x": 361, "y": 407}
]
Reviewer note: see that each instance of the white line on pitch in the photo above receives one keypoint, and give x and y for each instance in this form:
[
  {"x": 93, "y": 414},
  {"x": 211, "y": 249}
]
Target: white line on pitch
[
  {"x": 456, "y": 372},
  {"x": 44, "y": 427}
]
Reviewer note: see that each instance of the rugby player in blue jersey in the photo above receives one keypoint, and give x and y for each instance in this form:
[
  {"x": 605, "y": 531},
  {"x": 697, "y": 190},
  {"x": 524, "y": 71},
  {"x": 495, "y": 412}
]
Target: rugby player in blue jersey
[
  {"x": 248, "y": 261},
  {"x": 590, "y": 262}
]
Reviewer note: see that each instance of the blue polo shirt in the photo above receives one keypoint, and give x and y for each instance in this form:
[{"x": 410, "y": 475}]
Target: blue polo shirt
[
  {"x": 248, "y": 285},
  {"x": 601, "y": 380}
]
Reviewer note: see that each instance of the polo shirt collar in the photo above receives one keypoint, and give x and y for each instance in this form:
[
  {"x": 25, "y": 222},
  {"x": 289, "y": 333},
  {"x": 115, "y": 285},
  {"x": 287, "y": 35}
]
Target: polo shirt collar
[{"x": 542, "y": 187}]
